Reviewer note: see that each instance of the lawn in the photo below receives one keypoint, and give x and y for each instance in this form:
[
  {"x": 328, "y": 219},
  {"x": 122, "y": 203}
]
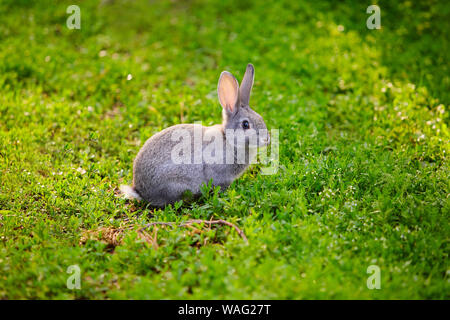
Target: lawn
[{"x": 363, "y": 176}]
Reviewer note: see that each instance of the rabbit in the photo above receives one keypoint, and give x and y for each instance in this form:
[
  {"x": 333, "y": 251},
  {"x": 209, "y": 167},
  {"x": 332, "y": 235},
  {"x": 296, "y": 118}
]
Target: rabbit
[{"x": 161, "y": 179}]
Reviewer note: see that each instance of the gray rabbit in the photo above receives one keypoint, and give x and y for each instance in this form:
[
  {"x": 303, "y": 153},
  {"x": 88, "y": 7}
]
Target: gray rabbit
[{"x": 162, "y": 174}]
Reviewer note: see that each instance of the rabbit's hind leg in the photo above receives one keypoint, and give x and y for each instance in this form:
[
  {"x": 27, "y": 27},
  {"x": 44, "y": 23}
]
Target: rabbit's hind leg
[{"x": 175, "y": 191}]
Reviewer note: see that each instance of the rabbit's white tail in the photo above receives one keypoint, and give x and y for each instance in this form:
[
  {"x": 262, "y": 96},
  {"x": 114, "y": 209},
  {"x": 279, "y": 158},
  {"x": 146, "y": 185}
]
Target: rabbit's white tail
[{"x": 129, "y": 192}]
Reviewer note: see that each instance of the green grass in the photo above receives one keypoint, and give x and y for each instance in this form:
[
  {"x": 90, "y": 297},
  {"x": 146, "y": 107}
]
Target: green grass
[{"x": 363, "y": 177}]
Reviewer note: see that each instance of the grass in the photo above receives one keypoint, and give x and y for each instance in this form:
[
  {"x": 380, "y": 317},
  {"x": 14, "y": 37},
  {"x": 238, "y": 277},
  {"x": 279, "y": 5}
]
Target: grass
[{"x": 363, "y": 177}]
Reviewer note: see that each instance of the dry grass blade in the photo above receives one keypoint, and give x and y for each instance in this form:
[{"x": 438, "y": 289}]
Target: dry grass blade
[
  {"x": 113, "y": 237},
  {"x": 199, "y": 221}
]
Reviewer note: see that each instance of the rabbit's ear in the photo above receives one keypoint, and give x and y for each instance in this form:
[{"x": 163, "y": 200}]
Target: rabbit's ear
[
  {"x": 228, "y": 90},
  {"x": 246, "y": 85}
]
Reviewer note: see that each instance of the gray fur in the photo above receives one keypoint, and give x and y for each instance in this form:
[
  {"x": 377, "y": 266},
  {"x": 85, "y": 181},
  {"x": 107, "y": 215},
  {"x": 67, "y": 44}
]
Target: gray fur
[{"x": 160, "y": 181}]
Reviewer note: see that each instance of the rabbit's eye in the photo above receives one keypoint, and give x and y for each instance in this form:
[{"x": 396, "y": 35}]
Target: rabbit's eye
[{"x": 245, "y": 124}]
